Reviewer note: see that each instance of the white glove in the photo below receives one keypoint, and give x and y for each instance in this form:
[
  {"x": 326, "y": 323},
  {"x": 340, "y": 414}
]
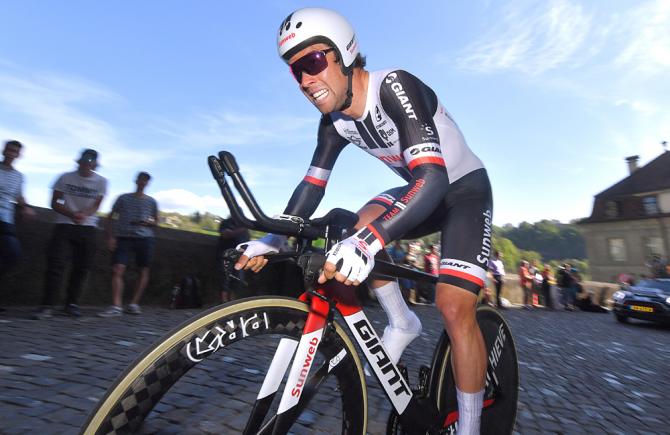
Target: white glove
[
  {"x": 354, "y": 257},
  {"x": 270, "y": 244}
]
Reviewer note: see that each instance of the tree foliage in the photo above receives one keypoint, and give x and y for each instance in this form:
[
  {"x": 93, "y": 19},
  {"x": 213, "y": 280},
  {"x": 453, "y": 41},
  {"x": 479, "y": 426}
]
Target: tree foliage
[{"x": 552, "y": 239}]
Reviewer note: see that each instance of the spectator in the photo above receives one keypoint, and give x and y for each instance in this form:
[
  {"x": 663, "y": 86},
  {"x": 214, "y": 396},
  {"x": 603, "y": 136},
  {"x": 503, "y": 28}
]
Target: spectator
[
  {"x": 408, "y": 286},
  {"x": 497, "y": 268},
  {"x": 584, "y": 298},
  {"x": 396, "y": 252},
  {"x": 565, "y": 283},
  {"x": 526, "y": 283},
  {"x": 231, "y": 234},
  {"x": 431, "y": 265},
  {"x": 487, "y": 296},
  {"x": 11, "y": 194},
  {"x": 431, "y": 261},
  {"x": 536, "y": 287},
  {"x": 136, "y": 215},
  {"x": 658, "y": 266},
  {"x": 547, "y": 279},
  {"x": 76, "y": 198}
]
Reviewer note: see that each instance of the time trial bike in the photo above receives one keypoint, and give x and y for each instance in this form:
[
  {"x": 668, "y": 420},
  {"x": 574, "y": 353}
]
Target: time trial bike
[{"x": 302, "y": 363}]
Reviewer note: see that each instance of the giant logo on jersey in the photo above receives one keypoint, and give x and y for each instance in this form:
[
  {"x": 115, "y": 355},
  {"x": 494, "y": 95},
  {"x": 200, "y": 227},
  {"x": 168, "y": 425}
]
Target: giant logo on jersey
[
  {"x": 423, "y": 153},
  {"x": 400, "y": 95}
]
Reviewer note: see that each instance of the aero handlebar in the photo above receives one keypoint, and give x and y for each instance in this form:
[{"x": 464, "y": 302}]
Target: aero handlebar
[{"x": 226, "y": 165}]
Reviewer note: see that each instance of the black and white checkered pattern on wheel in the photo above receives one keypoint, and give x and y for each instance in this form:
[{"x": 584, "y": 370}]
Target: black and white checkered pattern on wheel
[{"x": 145, "y": 392}]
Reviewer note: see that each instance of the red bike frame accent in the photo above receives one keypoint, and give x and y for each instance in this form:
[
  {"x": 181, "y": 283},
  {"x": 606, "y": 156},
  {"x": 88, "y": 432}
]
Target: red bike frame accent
[{"x": 345, "y": 299}]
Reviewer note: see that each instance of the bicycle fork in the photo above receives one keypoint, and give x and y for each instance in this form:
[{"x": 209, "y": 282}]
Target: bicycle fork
[{"x": 300, "y": 387}]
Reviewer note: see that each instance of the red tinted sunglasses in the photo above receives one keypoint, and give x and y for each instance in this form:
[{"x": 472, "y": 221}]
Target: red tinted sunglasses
[{"x": 311, "y": 63}]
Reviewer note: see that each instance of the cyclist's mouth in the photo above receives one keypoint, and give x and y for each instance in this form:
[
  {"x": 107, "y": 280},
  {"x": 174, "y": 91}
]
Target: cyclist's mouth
[{"x": 320, "y": 95}]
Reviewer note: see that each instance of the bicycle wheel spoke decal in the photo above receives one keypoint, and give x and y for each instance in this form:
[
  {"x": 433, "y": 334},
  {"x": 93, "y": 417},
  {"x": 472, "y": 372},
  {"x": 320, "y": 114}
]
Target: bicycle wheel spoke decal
[{"x": 218, "y": 336}]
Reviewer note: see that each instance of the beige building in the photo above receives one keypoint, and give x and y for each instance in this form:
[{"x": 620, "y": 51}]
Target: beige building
[{"x": 630, "y": 221}]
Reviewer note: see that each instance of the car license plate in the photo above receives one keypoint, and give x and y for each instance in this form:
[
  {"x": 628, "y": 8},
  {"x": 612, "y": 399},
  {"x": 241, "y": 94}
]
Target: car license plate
[{"x": 640, "y": 308}]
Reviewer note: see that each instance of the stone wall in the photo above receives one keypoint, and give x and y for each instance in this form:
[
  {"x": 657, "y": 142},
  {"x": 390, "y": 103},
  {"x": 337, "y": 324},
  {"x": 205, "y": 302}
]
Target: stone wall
[
  {"x": 512, "y": 290},
  {"x": 178, "y": 253}
]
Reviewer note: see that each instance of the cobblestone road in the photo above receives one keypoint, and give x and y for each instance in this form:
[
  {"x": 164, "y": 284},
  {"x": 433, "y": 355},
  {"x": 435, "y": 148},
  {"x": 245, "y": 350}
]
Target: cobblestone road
[{"x": 580, "y": 373}]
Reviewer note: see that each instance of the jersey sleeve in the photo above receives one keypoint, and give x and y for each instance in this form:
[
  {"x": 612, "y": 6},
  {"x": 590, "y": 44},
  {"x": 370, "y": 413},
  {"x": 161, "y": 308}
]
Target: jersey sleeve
[
  {"x": 307, "y": 196},
  {"x": 412, "y": 105}
]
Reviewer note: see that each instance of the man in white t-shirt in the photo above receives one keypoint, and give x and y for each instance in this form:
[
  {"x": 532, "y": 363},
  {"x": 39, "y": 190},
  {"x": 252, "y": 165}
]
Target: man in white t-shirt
[
  {"x": 497, "y": 269},
  {"x": 11, "y": 196},
  {"x": 76, "y": 198}
]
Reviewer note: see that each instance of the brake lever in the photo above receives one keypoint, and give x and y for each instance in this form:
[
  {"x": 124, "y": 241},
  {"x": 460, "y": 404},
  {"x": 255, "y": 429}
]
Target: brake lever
[
  {"x": 311, "y": 265},
  {"x": 229, "y": 258}
]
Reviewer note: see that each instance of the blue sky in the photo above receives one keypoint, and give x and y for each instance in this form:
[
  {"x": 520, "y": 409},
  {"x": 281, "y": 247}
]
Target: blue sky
[{"x": 552, "y": 95}]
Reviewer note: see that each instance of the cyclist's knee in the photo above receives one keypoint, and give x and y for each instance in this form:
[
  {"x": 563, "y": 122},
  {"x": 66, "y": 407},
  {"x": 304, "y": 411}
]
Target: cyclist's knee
[{"x": 457, "y": 306}]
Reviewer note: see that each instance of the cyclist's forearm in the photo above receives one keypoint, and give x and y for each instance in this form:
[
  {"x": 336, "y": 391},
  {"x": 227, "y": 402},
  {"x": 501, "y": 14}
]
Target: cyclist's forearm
[
  {"x": 418, "y": 200},
  {"x": 305, "y": 199}
]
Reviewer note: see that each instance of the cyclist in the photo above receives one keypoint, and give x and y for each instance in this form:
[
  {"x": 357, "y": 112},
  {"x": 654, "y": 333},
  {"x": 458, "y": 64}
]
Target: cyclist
[{"x": 395, "y": 117}]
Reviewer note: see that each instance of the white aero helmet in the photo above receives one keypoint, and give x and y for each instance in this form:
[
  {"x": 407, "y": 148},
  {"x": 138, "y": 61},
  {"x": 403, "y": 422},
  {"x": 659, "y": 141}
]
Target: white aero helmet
[{"x": 308, "y": 26}]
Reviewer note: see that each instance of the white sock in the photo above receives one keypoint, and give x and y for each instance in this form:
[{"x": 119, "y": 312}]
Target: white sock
[
  {"x": 404, "y": 325},
  {"x": 399, "y": 314},
  {"x": 469, "y": 412}
]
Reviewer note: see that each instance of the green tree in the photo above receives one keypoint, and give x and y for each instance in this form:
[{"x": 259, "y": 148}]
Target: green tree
[
  {"x": 510, "y": 253},
  {"x": 552, "y": 239}
]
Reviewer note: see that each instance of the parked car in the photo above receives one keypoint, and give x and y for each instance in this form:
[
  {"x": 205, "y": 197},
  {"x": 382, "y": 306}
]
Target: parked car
[{"x": 649, "y": 299}]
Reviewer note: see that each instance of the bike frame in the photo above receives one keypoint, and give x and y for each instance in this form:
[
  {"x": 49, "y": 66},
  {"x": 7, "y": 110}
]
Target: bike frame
[
  {"x": 327, "y": 299},
  {"x": 324, "y": 301}
]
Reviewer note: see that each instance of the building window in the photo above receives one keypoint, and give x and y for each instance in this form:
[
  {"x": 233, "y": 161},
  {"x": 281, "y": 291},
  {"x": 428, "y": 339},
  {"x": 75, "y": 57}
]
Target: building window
[
  {"x": 650, "y": 204},
  {"x": 612, "y": 209},
  {"x": 654, "y": 246},
  {"x": 617, "y": 249}
]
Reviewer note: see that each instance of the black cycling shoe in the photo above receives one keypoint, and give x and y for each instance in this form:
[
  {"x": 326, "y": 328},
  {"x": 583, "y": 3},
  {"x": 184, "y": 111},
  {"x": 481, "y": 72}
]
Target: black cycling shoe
[{"x": 72, "y": 310}]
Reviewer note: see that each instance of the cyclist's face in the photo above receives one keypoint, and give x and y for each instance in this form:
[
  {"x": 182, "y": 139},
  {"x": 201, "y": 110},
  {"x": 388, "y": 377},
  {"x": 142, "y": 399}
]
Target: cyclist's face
[{"x": 327, "y": 89}]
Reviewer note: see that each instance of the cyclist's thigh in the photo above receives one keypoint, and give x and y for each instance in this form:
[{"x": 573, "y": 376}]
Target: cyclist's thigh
[{"x": 467, "y": 232}]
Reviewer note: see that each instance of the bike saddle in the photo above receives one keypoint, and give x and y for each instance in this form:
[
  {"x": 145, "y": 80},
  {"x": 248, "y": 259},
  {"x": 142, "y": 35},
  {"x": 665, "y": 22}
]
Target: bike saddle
[{"x": 337, "y": 217}]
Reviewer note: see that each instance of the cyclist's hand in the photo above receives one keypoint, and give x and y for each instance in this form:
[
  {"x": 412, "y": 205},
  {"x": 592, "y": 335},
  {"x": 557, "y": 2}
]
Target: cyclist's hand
[
  {"x": 254, "y": 252},
  {"x": 350, "y": 261}
]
